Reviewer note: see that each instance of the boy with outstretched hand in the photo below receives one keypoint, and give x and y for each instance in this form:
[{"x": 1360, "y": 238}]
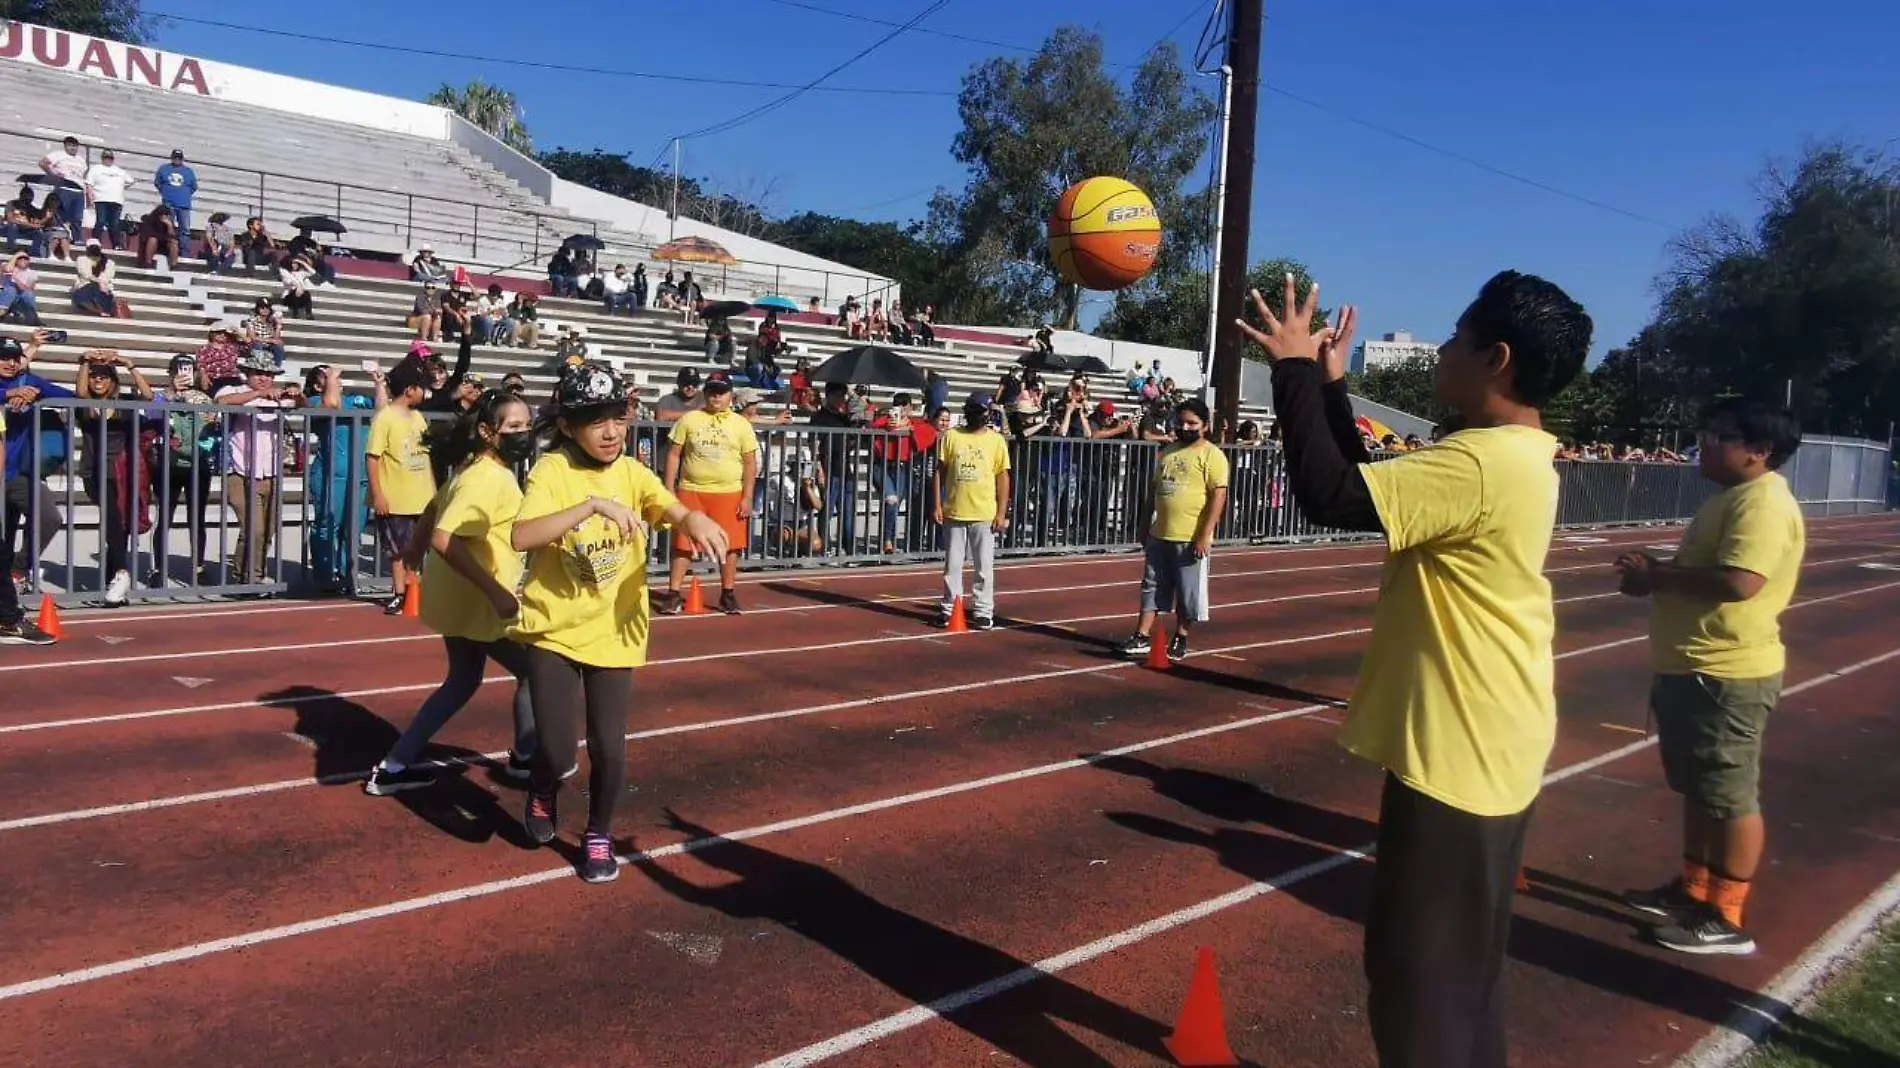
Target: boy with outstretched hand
[{"x": 1456, "y": 695}]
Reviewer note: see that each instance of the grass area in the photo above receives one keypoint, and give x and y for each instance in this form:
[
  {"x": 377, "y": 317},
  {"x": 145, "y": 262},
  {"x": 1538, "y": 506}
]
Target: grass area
[{"x": 1854, "y": 1024}]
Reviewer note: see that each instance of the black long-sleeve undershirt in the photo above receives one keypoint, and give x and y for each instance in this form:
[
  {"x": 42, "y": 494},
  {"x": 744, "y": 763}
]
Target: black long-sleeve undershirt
[{"x": 1323, "y": 448}]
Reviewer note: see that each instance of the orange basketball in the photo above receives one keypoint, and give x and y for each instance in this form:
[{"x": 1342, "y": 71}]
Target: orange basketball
[{"x": 1104, "y": 234}]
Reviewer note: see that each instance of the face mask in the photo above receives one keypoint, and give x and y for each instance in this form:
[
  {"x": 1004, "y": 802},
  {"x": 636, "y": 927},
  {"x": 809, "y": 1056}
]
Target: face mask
[
  {"x": 515, "y": 446},
  {"x": 1187, "y": 437}
]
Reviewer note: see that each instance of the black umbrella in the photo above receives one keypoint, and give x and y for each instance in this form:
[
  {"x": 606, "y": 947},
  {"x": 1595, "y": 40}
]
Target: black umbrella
[
  {"x": 37, "y": 179},
  {"x": 318, "y": 224},
  {"x": 1069, "y": 363},
  {"x": 724, "y": 309},
  {"x": 870, "y": 365},
  {"x": 587, "y": 242}
]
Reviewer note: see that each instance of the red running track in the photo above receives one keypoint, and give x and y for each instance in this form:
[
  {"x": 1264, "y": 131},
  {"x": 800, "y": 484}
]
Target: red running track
[{"x": 914, "y": 823}]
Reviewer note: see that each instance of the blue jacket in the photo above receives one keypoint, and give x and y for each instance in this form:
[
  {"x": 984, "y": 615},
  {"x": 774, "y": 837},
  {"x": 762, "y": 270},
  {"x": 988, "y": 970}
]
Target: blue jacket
[
  {"x": 20, "y": 424},
  {"x": 176, "y": 184}
]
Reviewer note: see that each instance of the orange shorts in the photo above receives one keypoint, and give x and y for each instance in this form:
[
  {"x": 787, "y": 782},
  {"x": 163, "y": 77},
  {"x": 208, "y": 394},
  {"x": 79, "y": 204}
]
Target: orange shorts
[{"x": 721, "y": 508}]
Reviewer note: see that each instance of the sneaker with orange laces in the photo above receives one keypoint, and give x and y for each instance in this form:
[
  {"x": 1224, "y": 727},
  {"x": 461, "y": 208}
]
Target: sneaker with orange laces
[{"x": 597, "y": 862}]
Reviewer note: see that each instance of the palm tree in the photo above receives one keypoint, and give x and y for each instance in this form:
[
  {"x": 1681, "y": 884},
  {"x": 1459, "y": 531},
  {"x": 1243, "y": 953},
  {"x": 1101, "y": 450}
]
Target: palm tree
[{"x": 489, "y": 107}]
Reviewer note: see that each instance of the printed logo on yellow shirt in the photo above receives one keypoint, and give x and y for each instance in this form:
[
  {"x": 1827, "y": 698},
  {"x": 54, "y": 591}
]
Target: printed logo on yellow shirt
[
  {"x": 414, "y": 456},
  {"x": 594, "y": 553},
  {"x": 708, "y": 439}
]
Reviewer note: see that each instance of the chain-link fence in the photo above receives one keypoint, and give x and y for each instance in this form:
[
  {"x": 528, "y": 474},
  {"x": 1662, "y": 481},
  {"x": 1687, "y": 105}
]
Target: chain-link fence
[{"x": 147, "y": 501}]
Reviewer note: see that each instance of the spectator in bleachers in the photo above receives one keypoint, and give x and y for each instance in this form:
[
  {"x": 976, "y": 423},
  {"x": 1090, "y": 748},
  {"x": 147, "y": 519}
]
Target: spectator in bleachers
[
  {"x": 639, "y": 285},
  {"x": 18, "y": 280},
  {"x": 181, "y": 471},
  {"x": 253, "y": 461},
  {"x": 306, "y": 247},
  {"x": 804, "y": 395},
  {"x": 157, "y": 235},
  {"x": 425, "y": 267},
  {"x": 92, "y": 289},
  {"x": 815, "y": 307},
  {"x": 177, "y": 185},
  {"x": 22, "y": 222},
  {"x": 105, "y": 187},
  {"x": 106, "y": 465},
  {"x": 878, "y": 326},
  {"x": 30, "y": 505},
  {"x": 936, "y": 391},
  {"x": 526, "y": 315},
  {"x": 570, "y": 349},
  {"x": 718, "y": 342},
  {"x": 1044, "y": 340},
  {"x": 921, "y": 324},
  {"x": 899, "y": 326},
  {"x": 456, "y": 320},
  {"x": 861, "y": 406},
  {"x": 667, "y": 296},
  {"x": 690, "y": 295},
  {"x": 219, "y": 248},
  {"x": 425, "y": 315},
  {"x": 851, "y": 317},
  {"x": 587, "y": 281},
  {"x": 490, "y": 316},
  {"x": 262, "y": 329},
  {"x": 561, "y": 273},
  {"x": 400, "y": 481},
  {"x": 837, "y": 465},
  {"x": 67, "y": 169},
  {"x": 684, "y": 398},
  {"x": 761, "y": 368},
  {"x": 617, "y": 290},
  {"x": 297, "y": 277},
  {"x": 260, "y": 248},
  {"x": 333, "y": 498},
  {"x": 512, "y": 382},
  {"x": 50, "y": 221}
]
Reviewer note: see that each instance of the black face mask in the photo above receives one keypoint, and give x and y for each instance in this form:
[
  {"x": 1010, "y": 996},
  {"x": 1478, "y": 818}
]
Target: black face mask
[
  {"x": 515, "y": 446},
  {"x": 1187, "y": 437}
]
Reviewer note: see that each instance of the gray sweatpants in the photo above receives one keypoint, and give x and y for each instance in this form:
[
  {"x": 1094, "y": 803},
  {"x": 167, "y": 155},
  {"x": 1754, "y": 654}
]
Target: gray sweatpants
[{"x": 974, "y": 542}]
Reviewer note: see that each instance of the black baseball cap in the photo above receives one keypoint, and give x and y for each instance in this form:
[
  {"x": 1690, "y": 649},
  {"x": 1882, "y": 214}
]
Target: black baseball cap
[
  {"x": 11, "y": 350},
  {"x": 688, "y": 376},
  {"x": 718, "y": 385}
]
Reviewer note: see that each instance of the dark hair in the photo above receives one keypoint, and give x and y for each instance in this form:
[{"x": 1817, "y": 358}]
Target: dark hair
[
  {"x": 455, "y": 441},
  {"x": 1192, "y": 404},
  {"x": 1759, "y": 426},
  {"x": 1547, "y": 332},
  {"x": 405, "y": 375}
]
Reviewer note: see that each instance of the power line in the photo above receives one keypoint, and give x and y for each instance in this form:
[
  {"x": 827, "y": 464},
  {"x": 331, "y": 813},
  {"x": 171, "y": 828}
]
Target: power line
[
  {"x": 854, "y": 16},
  {"x": 566, "y": 68},
  {"x": 773, "y": 105}
]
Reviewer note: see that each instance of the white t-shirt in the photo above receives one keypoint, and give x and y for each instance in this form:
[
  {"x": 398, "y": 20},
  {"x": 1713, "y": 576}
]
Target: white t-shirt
[
  {"x": 65, "y": 165},
  {"x": 108, "y": 183}
]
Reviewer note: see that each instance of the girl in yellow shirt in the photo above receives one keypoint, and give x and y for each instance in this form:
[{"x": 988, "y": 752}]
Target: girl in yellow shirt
[
  {"x": 584, "y": 519},
  {"x": 468, "y": 585}
]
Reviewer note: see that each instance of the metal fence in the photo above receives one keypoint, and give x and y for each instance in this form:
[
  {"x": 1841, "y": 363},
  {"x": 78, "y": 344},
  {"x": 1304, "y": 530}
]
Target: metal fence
[{"x": 200, "y": 501}]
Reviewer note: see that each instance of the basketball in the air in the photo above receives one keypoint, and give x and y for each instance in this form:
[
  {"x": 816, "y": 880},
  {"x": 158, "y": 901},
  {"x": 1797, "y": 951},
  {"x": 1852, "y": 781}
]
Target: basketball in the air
[{"x": 1104, "y": 234}]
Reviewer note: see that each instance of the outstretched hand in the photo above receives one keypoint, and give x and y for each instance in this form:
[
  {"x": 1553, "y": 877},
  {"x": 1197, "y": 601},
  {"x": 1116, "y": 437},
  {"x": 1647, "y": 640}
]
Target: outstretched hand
[{"x": 1287, "y": 336}]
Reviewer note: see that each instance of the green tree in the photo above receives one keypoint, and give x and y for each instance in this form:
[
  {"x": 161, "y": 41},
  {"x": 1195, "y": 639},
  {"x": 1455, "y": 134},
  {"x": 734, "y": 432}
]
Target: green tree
[
  {"x": 609, "y": 172},
  {"x": 118, "y": 20},
  {"x": 899, "y": 253},
  {"x": 1032, "y": 128},
  {"x": 1173, "y": 311},
  {"x": 490, "y": 108},
  {"x": 1405, "y": 385}
]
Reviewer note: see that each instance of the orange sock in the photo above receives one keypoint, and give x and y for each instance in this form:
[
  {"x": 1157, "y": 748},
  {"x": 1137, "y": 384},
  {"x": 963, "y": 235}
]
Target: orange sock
[
  {"x": 1728, "y": 896},
  {"x": 1695, "y": 879}
]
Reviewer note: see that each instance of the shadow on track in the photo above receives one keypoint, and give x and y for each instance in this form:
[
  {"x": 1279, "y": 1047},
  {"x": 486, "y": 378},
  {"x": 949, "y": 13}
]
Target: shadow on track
[{"x": 920, "y": 961}]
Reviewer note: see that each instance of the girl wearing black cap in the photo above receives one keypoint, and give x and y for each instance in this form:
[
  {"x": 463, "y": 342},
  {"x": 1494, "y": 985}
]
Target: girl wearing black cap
[
  {"x": 107, "y": 471},
  {"x": 584, "y": 519}
]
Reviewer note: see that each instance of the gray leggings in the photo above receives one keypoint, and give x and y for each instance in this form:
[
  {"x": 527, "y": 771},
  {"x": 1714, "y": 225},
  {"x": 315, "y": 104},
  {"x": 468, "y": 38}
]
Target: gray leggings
[
  {"x": 468, "y": 660},
  {"x": 566, "y": 696}
]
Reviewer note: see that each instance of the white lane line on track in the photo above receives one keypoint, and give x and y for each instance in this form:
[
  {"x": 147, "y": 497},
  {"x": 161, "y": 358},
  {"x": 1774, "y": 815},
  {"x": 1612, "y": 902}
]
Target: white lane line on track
[
  {"x": 933, "y": 637},
  {"x": 890, "y": 1025},
  {"x": 910, "y": 1018}
]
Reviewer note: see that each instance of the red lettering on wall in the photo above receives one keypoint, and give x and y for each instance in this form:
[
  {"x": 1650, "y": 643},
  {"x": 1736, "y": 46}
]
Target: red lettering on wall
[
  {"x": 15, "y": 42},
  {"x": 142, "y": 66},
  {"x": 189, "y": 74},
  {"x": 98, "y": 57},
  {"x": 64, "y": 46}
]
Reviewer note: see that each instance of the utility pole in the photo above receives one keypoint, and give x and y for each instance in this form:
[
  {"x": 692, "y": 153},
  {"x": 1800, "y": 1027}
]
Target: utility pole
[
  {"x": 673, "y": 216},
  {"x": 1236, "y": 216}
]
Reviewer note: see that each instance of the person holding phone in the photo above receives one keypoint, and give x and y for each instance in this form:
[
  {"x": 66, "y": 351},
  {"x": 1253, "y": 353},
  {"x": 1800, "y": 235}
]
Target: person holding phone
[
  {"x": 584, "y": 613},
  {"x": 1184, "y": 502}
]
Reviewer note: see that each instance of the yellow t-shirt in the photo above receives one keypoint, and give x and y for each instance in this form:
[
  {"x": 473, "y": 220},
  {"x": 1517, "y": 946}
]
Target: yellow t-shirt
[
  {"x": 1457, "y": 692},
  {"x": 1756, "y": 526},
  {"x": 402, "y": 464},
  {"x": 586, "y": 594},
  {"x": 479, "y": 503},
  {"x": 970, "y": 461},
  {"x": 1185, "y": 477},
  {"x": 713, "y": 449}
]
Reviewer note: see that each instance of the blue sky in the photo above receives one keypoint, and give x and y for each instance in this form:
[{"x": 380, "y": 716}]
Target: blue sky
[{"x": 1663, "y": 110}]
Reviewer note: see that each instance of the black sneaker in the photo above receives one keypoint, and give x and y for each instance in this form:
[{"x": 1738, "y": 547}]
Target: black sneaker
[
  {"x": 1177, "y": 648},
  {"x": 24, "y": 633},
  {"x": 539, "y": 819},
  {"x": 382, "y": 782},
  {"x": 729, "y": 602},
  {"x": 943, "y": 619},
  {"x": 1670, "y": 901},
  {"x": 1137, "y": 645},
  {"x": 598, "y": 864},
  {"x": 518, "y": 767},
  {"x": 393, "y": 606},
  {"x": 1705, "y": 933},
  {"x": 983, "y": 623},
  {"x": 669, "y": 603}
]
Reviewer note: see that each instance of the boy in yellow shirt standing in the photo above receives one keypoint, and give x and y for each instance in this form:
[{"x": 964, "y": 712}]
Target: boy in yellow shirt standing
[
  {"x": 971, "y": 491},
  {"x": 583, "y": 617},
  {"x": 400, "y": 482},
  {"x": 1185, "y": 498},
  {"x": 1715, "y": 641},
  {"x": 1456, "y": 696},
  {"x": 712, "y": 464}
]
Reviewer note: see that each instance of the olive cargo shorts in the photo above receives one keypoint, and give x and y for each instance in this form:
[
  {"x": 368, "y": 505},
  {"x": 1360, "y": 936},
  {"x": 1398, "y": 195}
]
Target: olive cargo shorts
[{"x": 1710, "y": 731}]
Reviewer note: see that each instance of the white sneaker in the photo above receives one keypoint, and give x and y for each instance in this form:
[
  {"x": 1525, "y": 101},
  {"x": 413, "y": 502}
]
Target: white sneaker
[{"x": 119, "y": 588}]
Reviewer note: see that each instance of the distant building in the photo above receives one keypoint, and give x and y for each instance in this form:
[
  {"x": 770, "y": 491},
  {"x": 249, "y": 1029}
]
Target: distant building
[{"x": 1391, "y": 349}]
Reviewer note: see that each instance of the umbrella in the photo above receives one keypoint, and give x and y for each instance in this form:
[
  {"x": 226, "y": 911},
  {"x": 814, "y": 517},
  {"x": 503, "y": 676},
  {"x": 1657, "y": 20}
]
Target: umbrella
[
  {"x": 724, "y": 309},
  {"x": 584, "y": 241},
  {"x": 695, "y": 250},
  {"x": 37, "y": 179},
  {"x": 1066, "y": 362},
  {"x": 319, "y": 224},
  {"x": 776, "y": 303},
  {"x": 870, "y": 365}
]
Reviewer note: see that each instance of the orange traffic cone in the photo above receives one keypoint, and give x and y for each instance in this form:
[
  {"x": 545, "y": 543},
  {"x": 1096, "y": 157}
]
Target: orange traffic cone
[
  {"x": 412, "y": 598},
  {"x": 1200, "y": 1035},
  {"x": 957, "y": 624},
  {"x": 1158, "y": 648},
  {"x": 49, "y": 617},
  {"x": 1523, "y": 884},
  {"x": 695, "y": 601}
]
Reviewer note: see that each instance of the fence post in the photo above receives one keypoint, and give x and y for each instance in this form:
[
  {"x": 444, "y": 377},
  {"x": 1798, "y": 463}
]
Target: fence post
[
  {"x": 339, "y": 202},
  {"x": 475, "y": 239},
  {"x": 260, "y": 193},
  {"x": 409, "y": 227}
]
